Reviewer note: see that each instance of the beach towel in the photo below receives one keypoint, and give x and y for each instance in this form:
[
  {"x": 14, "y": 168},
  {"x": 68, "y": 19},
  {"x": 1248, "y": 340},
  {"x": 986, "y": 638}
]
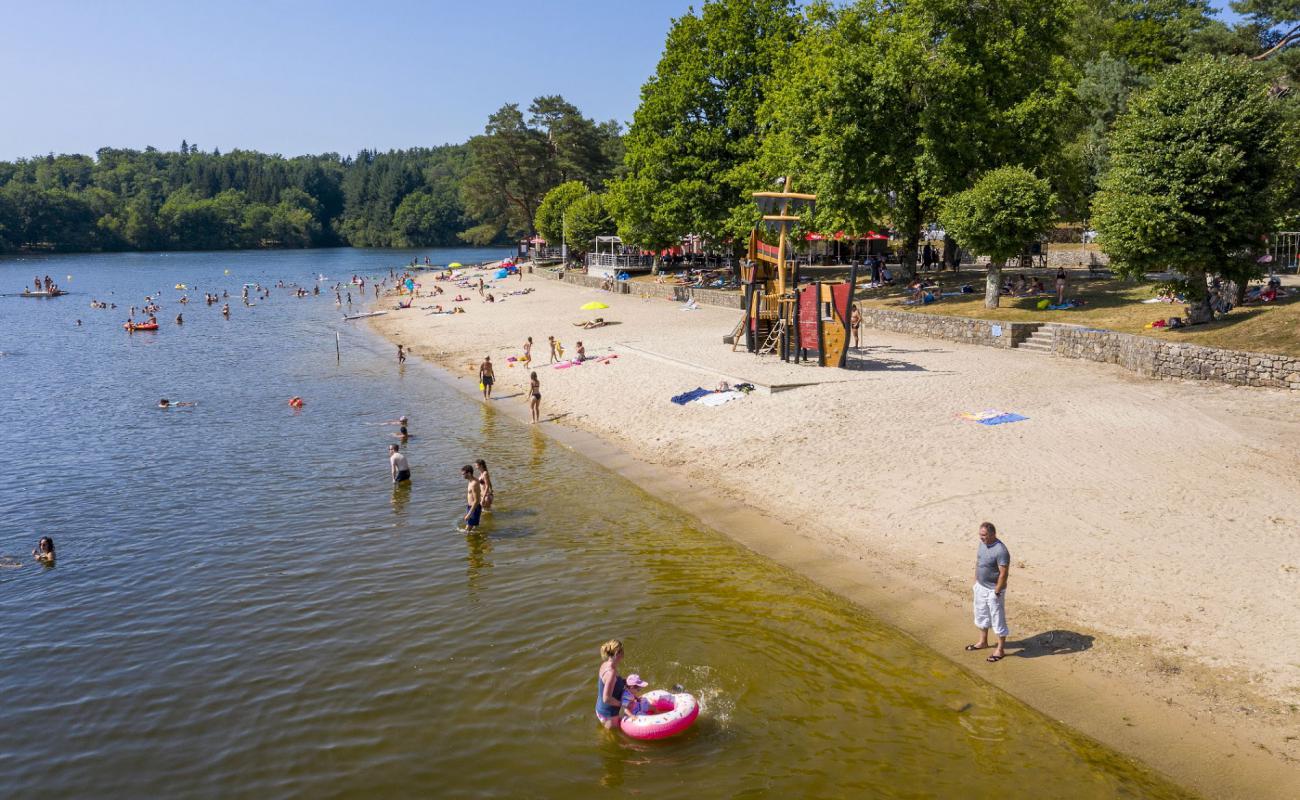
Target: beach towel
[
  {"x": 718, "y": 398},
  {"x": 694, "y": 394},
  {"x": 567, "y": 364},
  {"x": 991, "y": 417}
]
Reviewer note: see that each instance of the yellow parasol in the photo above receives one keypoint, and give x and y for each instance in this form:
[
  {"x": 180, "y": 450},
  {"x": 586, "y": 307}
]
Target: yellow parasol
[{"x": 594, "y": 306}]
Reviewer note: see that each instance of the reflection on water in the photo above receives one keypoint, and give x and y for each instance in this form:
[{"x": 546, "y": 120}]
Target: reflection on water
[{"x": 246, "y": 606}]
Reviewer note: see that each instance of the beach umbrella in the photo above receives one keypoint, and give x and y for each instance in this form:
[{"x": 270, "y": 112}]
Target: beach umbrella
[
  {"x": 594, "y": 306},
  {"x": 453, "y": 265}
]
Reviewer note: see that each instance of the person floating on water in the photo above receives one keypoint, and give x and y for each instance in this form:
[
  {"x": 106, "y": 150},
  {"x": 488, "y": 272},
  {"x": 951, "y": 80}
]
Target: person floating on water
[
  {"x": 473, "y": 499},
  {"x": 486, "y": 377},
  {"x": 165, "y": 403},
  {"x": 609, "y": 686},
  {"x": 44, "y": 550},
  {"x": 400, "y": 467}
]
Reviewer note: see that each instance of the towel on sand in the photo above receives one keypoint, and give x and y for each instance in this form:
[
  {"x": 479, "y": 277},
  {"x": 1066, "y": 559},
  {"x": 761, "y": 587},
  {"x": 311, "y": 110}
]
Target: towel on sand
[
  {"x": 718, "y": 398},
  {"x": 686, "y": 397},
  {"x": 992, "y": 417}
]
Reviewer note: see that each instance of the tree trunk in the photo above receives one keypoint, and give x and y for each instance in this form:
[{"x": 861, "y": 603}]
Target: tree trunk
[
  {"x": 1198, "y": 299},
  {"x": 951, "y": 253},
  {"x": 993, "y": 285},
  {"x": 907, "y": 258}
]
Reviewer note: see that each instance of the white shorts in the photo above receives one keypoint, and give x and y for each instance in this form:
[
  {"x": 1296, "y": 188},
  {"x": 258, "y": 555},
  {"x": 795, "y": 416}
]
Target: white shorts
[{"x": 991, "y": 610}]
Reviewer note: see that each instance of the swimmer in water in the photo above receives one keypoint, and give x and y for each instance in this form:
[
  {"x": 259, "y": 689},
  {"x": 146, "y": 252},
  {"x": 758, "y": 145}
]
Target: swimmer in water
[
  {"x": 44, "y": 550},
  {"x": 632, "y": 702},
  {"x": 402, "y": 434},
  {"x": 165, "y": 403},
  {"x": 485, "y": 480},
  {"x": 400, "y": 467},
  {"x": 473, "y": 498},
  {"x": 225, "y": 311}
]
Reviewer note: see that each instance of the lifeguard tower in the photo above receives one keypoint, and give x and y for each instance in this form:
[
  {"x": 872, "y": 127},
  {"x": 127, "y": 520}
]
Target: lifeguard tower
[{"x": 781, "y": 316}]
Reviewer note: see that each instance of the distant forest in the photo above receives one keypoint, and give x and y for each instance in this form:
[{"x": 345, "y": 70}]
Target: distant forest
[{"x": 189, "y": 199}]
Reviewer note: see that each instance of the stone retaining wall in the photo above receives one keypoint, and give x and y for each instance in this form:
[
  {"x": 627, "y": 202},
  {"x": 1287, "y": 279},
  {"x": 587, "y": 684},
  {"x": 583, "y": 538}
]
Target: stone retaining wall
[
  {"x": 991, "y": 333},
  {"x": 1144, "y": 355},
  {"x": 1159, "y": 358}
]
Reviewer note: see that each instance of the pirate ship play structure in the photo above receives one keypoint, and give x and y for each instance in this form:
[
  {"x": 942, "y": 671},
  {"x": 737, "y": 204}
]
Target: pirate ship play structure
[{"x": 780, "y": 315}]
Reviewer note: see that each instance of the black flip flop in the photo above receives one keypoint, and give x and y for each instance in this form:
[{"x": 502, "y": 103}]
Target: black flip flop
[
  {"x": 971, "y": 647},
  {"x": 995, "y": 659}
]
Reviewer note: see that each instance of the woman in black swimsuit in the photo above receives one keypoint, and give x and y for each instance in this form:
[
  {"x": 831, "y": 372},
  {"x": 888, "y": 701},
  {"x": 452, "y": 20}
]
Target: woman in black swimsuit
[
  {"x": 1060, "y": 286},
  {"x": 535, "y": 396}
]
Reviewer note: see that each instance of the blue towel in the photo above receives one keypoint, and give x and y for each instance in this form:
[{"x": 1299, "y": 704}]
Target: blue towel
[
  {"x": 1002, "y": 419},
  {"x": 686, "y": 397}
]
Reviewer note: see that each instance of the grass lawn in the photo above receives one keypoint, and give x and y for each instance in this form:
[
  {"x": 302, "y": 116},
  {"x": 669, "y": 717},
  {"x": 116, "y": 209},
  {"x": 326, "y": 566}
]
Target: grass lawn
[{"x": 1116, "y": 305}]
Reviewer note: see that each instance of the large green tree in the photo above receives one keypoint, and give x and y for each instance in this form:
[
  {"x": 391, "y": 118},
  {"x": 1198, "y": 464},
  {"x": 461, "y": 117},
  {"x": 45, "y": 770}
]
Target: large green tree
[
  {"x": 1194, "y": 178},
  {"x": 551, "y": 213},
  {"x": 587, "y": 218},
  {"x": 1004, "y": 211},
  {"x": 884, "y": 110},
  {"x": 518, "y": 159},
  {"x": 693, "y": 144}
]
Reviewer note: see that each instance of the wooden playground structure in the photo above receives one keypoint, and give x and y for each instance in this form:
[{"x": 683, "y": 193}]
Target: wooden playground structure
[{"x": 780, "y": 315}]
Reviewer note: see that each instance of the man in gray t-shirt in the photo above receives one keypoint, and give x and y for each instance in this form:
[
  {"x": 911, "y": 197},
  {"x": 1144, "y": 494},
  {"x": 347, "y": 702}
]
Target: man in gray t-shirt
[{"x": 992, "y": 562}]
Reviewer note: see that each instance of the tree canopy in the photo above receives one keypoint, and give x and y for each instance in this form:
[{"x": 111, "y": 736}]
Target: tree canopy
[
  {"x": 999, "y": 216},
  {"x": 693, "y": 143},
  {"x": 1195, "y": 176}
]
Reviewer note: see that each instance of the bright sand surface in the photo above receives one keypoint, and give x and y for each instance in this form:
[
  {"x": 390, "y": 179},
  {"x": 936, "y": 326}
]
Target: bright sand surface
[{"x": 1154, "y": 526}]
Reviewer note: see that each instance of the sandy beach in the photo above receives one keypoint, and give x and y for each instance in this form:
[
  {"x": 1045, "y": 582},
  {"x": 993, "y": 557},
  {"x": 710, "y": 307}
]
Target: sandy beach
[{"x": 1154, "y": 526}]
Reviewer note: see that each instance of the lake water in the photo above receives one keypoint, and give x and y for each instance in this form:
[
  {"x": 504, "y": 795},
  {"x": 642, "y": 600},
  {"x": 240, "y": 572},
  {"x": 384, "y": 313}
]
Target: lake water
[{"x": 243, "y": 606}]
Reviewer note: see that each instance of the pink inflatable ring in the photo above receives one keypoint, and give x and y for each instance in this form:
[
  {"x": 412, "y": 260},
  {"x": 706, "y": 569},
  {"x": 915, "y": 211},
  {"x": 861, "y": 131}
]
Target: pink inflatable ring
[{"x": 670, "y": 714}]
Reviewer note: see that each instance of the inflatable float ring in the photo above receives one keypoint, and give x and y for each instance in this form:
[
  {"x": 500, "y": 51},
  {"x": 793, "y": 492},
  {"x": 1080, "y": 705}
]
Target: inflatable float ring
[{"x": 670, "y": 714}]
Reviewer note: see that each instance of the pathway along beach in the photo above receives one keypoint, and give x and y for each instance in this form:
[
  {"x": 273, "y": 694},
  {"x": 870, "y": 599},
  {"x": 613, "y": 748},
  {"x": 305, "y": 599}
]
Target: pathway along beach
[{"x": 1154, "y": 526}]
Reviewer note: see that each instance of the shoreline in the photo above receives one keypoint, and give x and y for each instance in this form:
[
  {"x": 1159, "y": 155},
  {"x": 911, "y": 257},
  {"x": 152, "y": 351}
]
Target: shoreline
[{"x": 1096, "y": 683}]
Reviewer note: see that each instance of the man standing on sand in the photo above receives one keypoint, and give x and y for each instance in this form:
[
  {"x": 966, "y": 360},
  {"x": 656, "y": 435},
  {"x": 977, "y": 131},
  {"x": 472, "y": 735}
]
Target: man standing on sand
[
  {"x": 397, "y": 462},
  {"x": 486, "y": 377},
  {"x": 992, "y": 562},
  {"x": 473, "y": 498}
]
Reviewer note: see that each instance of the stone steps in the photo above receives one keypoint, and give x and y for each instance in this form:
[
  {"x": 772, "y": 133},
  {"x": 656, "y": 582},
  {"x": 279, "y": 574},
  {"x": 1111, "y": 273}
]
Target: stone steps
[{"x": 1040, "y": 341}]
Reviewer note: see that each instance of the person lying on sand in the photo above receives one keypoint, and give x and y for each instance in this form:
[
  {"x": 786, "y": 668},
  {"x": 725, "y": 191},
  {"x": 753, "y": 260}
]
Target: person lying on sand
[{"x": 598, "y": 322}]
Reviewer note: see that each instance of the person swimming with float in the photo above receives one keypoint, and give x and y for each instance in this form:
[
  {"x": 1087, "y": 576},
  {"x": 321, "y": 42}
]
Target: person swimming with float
[{"x": 633, "y": 705}]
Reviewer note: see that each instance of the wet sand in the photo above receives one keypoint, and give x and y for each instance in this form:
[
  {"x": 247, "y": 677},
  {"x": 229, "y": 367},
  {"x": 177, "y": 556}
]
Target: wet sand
[{"x": 1153, "y": 526}]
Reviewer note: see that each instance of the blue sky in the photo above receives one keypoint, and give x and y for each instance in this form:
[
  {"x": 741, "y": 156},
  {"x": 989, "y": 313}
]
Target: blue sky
[
  {"x": 304, "y": 77},
  {"x": 293, "y": 77}
]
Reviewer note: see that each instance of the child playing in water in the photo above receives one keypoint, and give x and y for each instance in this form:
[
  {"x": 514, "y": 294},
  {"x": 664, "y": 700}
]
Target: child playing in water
[{"x": 633, "y": 705}]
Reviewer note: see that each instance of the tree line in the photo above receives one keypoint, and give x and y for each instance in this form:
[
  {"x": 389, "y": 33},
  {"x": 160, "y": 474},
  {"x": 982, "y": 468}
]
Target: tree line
[
  {"x": 484, "y": 191},
  {"x": 1175, "y": 134},
  {"x": 1172, "y": 132}
]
